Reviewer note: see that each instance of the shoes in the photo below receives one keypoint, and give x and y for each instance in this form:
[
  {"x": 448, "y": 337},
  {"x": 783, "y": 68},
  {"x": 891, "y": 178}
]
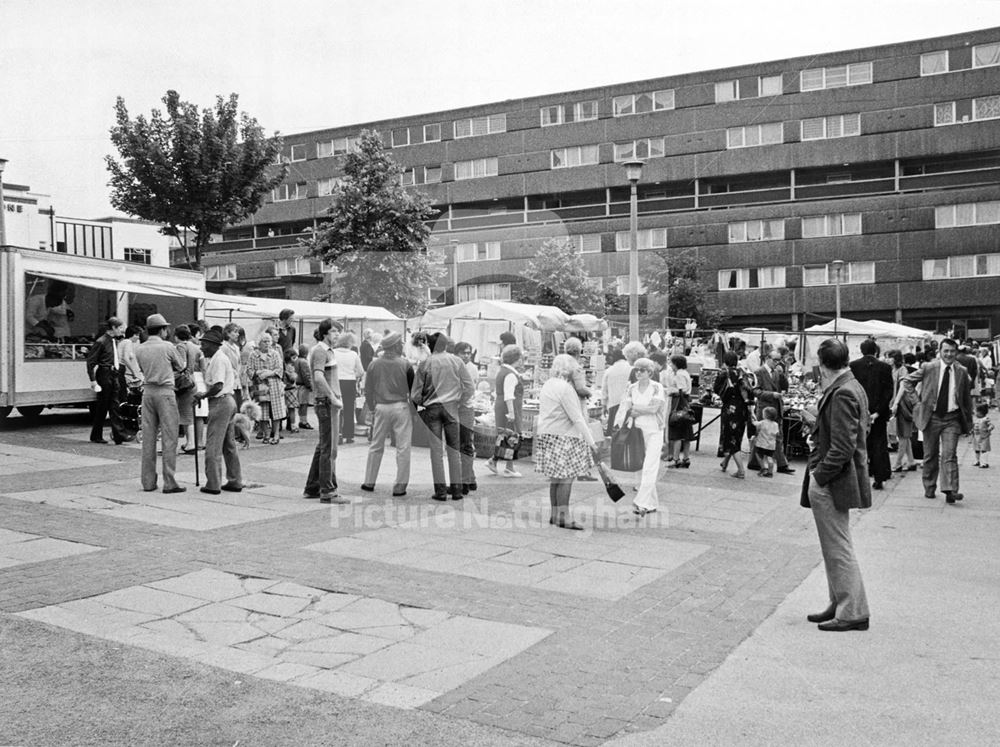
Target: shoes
[
  {"x": 685, "y": 464},
  {"x": 951, "y": 497},
  {"x": 333, "y": 498},
  {"x": 492, "y": 466},
  {"x": 878, "y": 485},
  {"x": 465, "y": 488},
  {"x": 348, "y": 440},
  {"x": 98, "y": 440},
  {"x": 230, "y": 488},
  {"x": 786, "y": 470},
  {"x": 472, "y": 486},
  {"x": 587, "y": 478},
  {"x": 565, "y": 524},
  {"x": 259, "y": 436},
  {"x": 310, "y": 496},
  {"x": 149, "y": 490},
  {"x": 929, "y": 494},
  {"x": 984, "y": 466},
  {"x": 639, "y": 511},
  {"x": 293, "y": 430},
  {"x": 178, "y": 489},
  {"x": 898, "y": 469},
  {"x": 976, "y": 464},
  {"x": 842, "y": 626},
  {"x": 398, "y": 491},
  {"x": 306, "y": 427},
  {"x": 740, "y": 475},
  {"x": 511, "y": 473},
  {"x": 830, "y": 613},
  {"x": 765, "y": 473},
  {"x": 210, "y": 491},
  {"x": 368, "y": 488},
  {"x": 439, "y": 497}
]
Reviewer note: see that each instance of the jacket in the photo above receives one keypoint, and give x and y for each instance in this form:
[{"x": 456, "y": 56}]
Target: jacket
[
  {"x": 839, "y": 458},
  {"x": 875, "y": 377},
  {"x": 928, "y": 376}
]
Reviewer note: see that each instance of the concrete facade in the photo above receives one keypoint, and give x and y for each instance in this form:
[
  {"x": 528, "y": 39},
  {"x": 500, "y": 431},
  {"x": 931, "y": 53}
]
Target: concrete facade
[{"x": 887, "y": 158}]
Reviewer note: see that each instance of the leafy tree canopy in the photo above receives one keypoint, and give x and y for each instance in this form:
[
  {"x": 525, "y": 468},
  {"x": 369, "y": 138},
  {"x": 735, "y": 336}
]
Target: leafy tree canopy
[
  {"x": 192, "y": 171},
  {"x": 376, "y": 234},
  {"x": 679, "y": 273},
  {"x": 557, "y": 276}
]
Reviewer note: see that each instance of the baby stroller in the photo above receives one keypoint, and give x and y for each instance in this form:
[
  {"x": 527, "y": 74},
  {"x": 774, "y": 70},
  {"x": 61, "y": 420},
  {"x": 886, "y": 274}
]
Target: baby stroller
[{"x": 130, "y": 412}]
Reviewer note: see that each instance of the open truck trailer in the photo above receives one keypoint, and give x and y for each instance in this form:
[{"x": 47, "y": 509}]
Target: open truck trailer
[{"x": 43, "y": 349}]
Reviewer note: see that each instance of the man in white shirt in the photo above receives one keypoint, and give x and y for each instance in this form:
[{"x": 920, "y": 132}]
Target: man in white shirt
[{"x": 220, "y": 379}]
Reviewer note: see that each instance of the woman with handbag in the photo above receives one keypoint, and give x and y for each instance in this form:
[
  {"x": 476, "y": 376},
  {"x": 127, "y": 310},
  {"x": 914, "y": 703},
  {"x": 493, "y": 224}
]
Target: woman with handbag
[
  {"x": 645, "y": 404},
  {"x": 563, "y": 441},
  {"x": 266, "y": 370},
  {"x": 737, "y": 399},
  {"x": 676, "y": 383},
  {"x": 507, "y": 411}
]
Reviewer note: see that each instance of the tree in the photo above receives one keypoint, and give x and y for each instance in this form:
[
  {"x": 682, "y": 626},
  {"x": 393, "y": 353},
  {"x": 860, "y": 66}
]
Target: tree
[
  {"x": 679, "y": 273},
  {"x": 376, "y": 237},
  {"x": 192, "y": 171},
  {"x": 557, "y": 276}
]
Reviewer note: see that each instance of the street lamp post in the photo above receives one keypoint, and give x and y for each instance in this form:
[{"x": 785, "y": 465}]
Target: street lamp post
[
  {"x": 838, "y": 265},
  {"x": 633, "y": 172},
  {"x": 454, "y": 271}
]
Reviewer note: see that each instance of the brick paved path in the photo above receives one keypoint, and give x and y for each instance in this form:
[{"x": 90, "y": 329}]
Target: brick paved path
[{"x": 667, "y": 600}]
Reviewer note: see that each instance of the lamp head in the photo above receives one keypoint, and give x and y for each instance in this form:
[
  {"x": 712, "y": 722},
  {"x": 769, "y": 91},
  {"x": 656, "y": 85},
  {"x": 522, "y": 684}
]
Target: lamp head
[{"x": 633, "y": 170}]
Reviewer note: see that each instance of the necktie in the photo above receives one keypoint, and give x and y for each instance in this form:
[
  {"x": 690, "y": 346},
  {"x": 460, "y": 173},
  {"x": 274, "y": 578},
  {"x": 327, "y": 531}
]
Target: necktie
[
  {"x": 114, "y": 348},
  {"x": 943, "y": 398}
]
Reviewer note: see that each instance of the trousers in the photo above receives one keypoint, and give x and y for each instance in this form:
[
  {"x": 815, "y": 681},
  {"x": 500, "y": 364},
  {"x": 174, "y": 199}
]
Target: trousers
[
  {"x": 441, "y": 420},
  {"x": 112, "y": 385},
  {"x": 392, "y": 418},
  {"x": 221, "y": 444},
  {"x": 159, "y": 413},
  {"x": 647, "y": 496},
  {"x": 843, "y": 575},
  {"x": 322, "y": 478},
  {"x": 941, "y": 452}
]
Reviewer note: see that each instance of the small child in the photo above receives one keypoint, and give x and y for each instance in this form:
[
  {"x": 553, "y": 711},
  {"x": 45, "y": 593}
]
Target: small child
[
  {"x": 291, "y": 396},
  {"x": 981, "y": 430},
  {"x": 766, "y": 441}
]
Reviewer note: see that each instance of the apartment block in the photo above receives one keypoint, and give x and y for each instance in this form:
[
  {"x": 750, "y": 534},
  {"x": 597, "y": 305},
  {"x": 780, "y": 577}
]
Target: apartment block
[{"x": 886, "y": 158}]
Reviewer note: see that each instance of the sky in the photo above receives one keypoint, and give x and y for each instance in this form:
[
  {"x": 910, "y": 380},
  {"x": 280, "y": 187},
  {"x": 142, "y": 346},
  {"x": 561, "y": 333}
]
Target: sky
[{"x": 302, "y": 65}]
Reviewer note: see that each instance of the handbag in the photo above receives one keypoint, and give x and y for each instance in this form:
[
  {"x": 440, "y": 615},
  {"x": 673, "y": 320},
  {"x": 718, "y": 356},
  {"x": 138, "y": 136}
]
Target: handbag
[
  {"x": 681, "y": 416},
  {"x": 614, "y": 490},
  {"x": 628, "y": 448},
  {"x": 183, "y": 382},
  {"x": 506, "y": 446}
]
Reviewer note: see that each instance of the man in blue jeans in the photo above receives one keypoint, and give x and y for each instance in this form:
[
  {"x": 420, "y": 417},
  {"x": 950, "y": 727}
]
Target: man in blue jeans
[
  {"x": 441, "y": 386},
  {"x": 322, "y": 480}
]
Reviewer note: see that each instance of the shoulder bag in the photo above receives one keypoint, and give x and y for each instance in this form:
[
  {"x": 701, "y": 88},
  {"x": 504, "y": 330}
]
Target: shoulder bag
[{"x": 628, "y": 447}]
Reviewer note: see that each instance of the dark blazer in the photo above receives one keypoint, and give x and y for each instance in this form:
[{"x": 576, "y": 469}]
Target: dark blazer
[
  {"x": 839, "y": 458},
  {"x": 875, "y": 377},
  {"x": 768, "y": 390},
  {"x": 928, "y": 376}
]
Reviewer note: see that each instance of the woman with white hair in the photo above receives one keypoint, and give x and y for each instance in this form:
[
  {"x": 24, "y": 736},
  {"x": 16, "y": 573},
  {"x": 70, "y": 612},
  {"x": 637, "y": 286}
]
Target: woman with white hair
[
  {"x": 646, "y": 403},
  {"x": 265, "y": 370},
  {"x": 563, "y": 441}
]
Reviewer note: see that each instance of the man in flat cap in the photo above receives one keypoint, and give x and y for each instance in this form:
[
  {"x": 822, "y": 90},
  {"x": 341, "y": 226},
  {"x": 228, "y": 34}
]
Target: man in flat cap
[
  {"x": 387, "y": 394},
  {"x": 159, "y": 361}
]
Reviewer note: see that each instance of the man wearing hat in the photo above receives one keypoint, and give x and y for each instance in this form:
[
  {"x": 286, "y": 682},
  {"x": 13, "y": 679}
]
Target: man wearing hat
[
  {"x": 159, "y": 361},
  {"x": 387, "y": 394},
  {"x": 221, "y": 381}
]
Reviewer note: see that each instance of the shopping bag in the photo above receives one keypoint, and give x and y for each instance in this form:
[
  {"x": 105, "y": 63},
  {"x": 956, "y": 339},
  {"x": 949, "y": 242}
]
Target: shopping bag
[
  {"x": 628, "y": 448},
  {"x": 506, "y": 446}
]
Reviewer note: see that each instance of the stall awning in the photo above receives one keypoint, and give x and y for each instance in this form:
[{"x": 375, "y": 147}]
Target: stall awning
[{"x": 115, "y": 286}]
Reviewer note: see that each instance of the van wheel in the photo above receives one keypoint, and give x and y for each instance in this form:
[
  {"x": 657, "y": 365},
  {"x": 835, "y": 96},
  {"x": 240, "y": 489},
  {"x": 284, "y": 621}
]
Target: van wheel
[{"x": 31, "y": 411}]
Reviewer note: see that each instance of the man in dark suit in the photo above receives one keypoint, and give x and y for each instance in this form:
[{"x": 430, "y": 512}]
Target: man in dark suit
[
  {"x": 771, "y": 382},
  {"x": 837, "y": 481},
  {"x": 875, "y": 377},
  {"x": 106, "y": 370},
  {"x": 943, "y": 413}
]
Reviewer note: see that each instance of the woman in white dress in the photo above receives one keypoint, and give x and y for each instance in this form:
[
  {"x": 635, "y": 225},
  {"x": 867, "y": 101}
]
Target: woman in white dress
[{"x": 646, "y": 402}]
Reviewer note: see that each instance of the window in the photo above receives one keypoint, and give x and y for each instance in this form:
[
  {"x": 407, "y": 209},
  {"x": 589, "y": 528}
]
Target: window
[
  {"x": 640, "y": 103},
  {"x": 484, "y": 291},
  {"x": 623, "y": 285},
  {"x": 650, "y": 147},
  {"x": 753, "y": 135},
  {"x": 298, "y": 152},
  {"x": 407, "y": 177},
  {"x": 400, "y": 137},
  {"x": 986, "y": 55},
  {"x": 220, "y": 272},
  {"x": 325, "y": 187},
  {"x": 432, "y": 133},
  {"x": 476, "y": 168},
  {"x": 967, "y": 214},
  {"x": 752, "y": 277},
  {"x": 837, "y": 125},
  {"x": 987, "y": 107},
  {"x": 841, "y": 224},
  {"x": 293, "y": 266},
  {"x": 336, "y": 147},
  {"x": 577, "y": 155},
  {"x": 968, "y": 266},
  {"x": 279, "y": 193},
  {"x": 432, "y": 174},
  {"x": 933, "y": 63},
  {"x": 477, "y": 252},
  {"x": 852, "y": 273},
  {"x": 558, "y": 114},
  {"x": 300, "y": 191},
  {"x": 481, "y": 125},
  {"x": 649, "y": 238},
  {"x": 142, "y": 256},
  {"x": 728, "y": 90},
  {"x": 587, "y": 243},
  {"x": 756, "y": 230},
  {"x": 769, "y": 85},
  {"x": 856, "y": 74},
  {"x": 944, "y": 114}
]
